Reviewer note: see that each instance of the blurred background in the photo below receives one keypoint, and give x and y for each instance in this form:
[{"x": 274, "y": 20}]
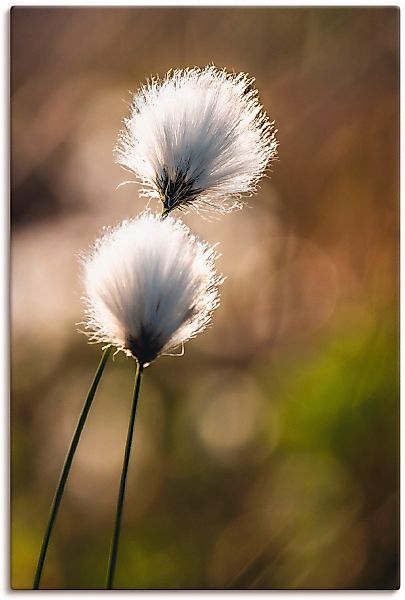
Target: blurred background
[{"x": 266, "y": 457}]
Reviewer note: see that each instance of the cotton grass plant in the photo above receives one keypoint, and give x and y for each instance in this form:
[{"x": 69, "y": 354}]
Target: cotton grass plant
[
  {"x": 198, "y": 139},
  {"x": 150, "y": 285}
]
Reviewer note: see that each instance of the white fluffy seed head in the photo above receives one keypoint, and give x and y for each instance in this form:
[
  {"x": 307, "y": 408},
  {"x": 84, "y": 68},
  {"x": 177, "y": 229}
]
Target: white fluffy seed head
[
  {"x": 199, "y": 139},
  {"x": 150, "y": 286}
]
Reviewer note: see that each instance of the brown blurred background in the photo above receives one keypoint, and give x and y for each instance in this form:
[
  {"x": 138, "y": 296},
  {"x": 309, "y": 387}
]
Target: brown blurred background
[{"x": 266, "y": 457}]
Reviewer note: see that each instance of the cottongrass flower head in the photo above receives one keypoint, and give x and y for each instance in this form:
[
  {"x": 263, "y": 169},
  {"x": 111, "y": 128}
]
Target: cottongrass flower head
[
  {"x": 150, "y": 285},
  {"x": 199, "y": 138}
]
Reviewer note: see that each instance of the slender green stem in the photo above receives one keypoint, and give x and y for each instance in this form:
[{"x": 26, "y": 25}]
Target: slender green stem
[
  {"x": 68, "y": 463},
  {"x": 121, "y": 493}
]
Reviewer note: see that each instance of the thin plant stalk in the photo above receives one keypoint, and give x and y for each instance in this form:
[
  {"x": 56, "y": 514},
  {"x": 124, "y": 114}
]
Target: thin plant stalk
[
  {"x": 121, "y": 493},
  {"x": 67, "y": 464}
]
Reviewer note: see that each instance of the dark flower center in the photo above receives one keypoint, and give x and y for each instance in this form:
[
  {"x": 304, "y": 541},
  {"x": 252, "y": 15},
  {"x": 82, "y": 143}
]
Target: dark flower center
[{"x": 177, "y": 191}]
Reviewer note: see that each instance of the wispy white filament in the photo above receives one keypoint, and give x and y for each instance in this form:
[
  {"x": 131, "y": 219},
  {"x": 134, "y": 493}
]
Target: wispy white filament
[
  {"x": 150, "y": 285},
  {"x": 198, "y": 138}
]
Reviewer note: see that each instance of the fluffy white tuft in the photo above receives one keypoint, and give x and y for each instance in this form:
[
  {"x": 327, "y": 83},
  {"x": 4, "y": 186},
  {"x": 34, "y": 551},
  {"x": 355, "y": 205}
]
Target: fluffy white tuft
[
  {"x": 150, "y": 286},
  {"x": 198, "y": 138}
]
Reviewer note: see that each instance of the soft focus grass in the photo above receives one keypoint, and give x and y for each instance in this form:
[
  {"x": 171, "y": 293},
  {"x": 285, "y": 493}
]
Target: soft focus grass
[{"x": 307, "y": 500}]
